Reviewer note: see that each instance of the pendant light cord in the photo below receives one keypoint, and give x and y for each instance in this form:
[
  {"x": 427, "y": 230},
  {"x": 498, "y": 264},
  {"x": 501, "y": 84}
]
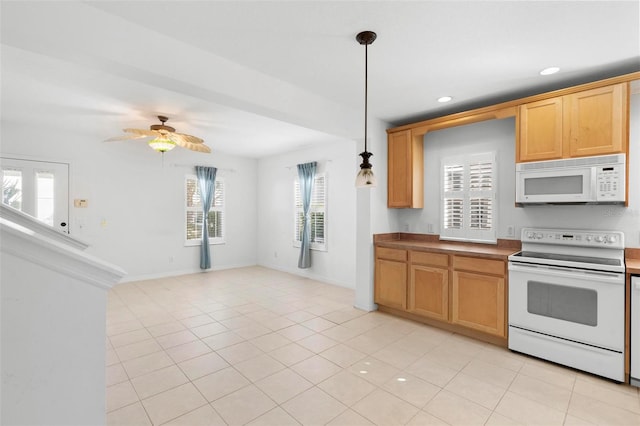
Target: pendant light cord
[{"x": 366, "y": 78}]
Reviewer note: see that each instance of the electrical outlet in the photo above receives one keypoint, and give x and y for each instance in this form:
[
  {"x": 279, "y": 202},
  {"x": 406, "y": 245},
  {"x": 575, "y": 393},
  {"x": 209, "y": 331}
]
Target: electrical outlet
[
  {"x": 405, "y": 227},
  {"x": 430, "y": 228},
  {"x": 511, "y": 231}
]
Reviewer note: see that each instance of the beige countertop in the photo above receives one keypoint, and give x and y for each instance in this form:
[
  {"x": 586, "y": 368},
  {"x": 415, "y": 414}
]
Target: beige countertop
[{"x": 431, "y": 243}]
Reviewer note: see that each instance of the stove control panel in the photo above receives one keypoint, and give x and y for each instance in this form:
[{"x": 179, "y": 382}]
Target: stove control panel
[{"x": 573, "y": 237}]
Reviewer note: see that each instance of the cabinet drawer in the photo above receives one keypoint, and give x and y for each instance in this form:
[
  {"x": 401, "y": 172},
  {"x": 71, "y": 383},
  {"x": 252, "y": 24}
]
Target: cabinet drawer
[
  {"x": 426, "y": 258},
  {"x": 479, "y": 265},
  {"x": 391, "y": 254}
]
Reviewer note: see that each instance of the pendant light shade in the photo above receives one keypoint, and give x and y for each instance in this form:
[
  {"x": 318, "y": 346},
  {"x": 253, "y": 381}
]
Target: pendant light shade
[{"x": 365, "y": 177}]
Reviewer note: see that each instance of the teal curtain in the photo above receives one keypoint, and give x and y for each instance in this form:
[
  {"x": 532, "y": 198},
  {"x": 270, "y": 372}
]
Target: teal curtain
[
  {"x": 206, "y": 184},
  {"x": 306, "y": 174}
]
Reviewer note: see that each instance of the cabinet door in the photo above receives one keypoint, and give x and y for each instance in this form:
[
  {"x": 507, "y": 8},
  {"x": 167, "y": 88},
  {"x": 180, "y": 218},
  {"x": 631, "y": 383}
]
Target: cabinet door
[
  {"x": 429, "y": 292},
  {"x": 479, "y": 302},
  {"x": 597, "y": 121},
  {"x": 540, "y": 131},
  {"x": 391, "y": 283},
  {"x": 405, "y": 171}
]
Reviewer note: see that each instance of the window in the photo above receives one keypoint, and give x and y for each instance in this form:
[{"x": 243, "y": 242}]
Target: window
[
  {"x": 12, "y": 188},
  {"x": 317, "y": 211},
  {"x": 37, "y": 188},
  {"x": 468, "y": 198},
  {"x": 194, "y": 216}
]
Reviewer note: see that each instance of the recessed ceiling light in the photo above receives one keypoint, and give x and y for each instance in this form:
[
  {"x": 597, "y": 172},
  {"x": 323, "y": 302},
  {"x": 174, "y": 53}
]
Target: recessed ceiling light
[
  {"x": 445, "y": 99},
  {"x": 549, "y": 71}
]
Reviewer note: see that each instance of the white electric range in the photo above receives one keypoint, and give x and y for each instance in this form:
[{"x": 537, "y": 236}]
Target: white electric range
[{"x": 567, "y": 299}]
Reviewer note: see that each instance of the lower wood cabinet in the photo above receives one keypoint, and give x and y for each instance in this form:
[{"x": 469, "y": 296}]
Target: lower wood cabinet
[
  {"x": 429, "y": 292},
  {"x": 462, "y": 290},
  {"x": 429, "y": 284},
  {"x": 478, "y": 294},
  {"x": 479, "y": 302},
  {"x": 391, "y": 278}
]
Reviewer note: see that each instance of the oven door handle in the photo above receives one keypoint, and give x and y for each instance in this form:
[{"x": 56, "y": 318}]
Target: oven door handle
[{"x": 559, "y": 271}]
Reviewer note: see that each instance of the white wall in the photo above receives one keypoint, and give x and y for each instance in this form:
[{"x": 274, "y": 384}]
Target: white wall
[
  {"x": 499, "y": 135},
  {"x": 275, "y": 212},
  {"x": 135, "y": 214},
  {"x": 373, "y": 216},
  {"x": 53, "y": 329}
]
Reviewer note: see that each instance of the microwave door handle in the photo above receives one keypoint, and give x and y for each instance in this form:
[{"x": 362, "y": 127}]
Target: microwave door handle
[{"x": 594, "y": 184}]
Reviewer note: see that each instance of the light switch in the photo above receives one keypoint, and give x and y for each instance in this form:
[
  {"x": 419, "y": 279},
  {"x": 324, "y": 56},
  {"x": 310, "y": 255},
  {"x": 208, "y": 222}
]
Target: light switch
[{"x": 80, "y": 203}]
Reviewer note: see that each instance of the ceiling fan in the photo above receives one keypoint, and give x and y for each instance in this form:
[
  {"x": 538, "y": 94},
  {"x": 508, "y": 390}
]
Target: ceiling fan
[{"x": 165, "y": 138}]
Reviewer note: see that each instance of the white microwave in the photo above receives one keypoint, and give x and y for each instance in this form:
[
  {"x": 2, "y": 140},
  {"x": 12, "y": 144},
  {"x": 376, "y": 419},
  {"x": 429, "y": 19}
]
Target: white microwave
[{"x": 600, "y": 179}]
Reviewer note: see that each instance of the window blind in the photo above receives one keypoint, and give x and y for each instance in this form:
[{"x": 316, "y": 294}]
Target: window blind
[
  {"x": 317, "y": 213},
  {"x": 468, "y": 198},
  {"x": 194, "y": 215}
]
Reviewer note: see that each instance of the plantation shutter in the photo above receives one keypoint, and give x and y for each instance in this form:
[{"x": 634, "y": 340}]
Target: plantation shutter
[
  {"x": 468, "y": 198},
  {"x": 317, "y": 212},
  {"x": 453, "y": 200},
  {"x": 194, "y": 215},
  {"x": 481, "y": 195}
]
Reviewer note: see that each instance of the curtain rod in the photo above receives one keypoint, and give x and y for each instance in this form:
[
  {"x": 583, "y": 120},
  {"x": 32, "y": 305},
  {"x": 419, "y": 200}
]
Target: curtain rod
[
  {"x": 194, "y": 165},
  {"x": 317, "y": 161}
]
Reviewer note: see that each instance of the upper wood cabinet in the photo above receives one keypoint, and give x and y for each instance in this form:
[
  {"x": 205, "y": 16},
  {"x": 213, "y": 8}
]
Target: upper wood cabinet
[
  {"x": 540, "y": 136},
  {"x": 591, "y": 122},
  {"x": 405, "y": 170},
  {"x": 597, "y": 121}
]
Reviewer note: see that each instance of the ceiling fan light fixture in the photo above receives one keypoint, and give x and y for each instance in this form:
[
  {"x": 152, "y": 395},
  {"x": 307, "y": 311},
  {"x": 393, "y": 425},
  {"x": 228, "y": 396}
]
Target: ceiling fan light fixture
[
  {"x": 165, "y": 138},
  {"x": 365, "y": 177},
  {"x": 162, "y": 144}
]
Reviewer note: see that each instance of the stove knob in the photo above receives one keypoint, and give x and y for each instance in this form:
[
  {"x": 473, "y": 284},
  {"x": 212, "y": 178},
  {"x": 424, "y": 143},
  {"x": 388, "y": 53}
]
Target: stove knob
[
  {"x": 539, "y": 236},
  {"x": 611, "y": 238},
  {"x": 530, "y": 235},
  {"x": 599, "y": 239},
  {"x": 589, "y": 237}
]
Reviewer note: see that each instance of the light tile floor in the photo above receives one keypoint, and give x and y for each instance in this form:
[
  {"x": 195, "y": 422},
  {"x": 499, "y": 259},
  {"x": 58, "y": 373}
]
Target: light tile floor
[{"x": 261, "y": 347}]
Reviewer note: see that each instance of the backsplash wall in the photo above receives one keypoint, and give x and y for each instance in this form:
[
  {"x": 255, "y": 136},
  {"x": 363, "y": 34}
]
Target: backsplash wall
[{"x": 499, "y": 136}]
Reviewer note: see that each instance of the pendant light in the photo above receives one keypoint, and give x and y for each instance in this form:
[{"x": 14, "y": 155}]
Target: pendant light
[{"x": 365, "y": 177}]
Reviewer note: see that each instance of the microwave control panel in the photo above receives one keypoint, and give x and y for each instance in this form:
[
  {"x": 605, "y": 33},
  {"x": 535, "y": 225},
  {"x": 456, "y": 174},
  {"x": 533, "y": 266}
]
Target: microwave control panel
[{"x": 610, "y": 183}]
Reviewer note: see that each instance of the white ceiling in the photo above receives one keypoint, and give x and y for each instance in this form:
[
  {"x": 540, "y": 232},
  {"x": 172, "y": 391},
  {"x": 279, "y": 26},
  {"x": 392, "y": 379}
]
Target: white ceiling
[{"x": 264, "y": 77}]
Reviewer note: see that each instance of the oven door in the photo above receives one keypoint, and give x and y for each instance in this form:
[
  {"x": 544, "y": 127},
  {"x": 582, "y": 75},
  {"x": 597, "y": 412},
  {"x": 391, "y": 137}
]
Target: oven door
[
  {"x": 572, "y": 304},
  {"x": 558, "y": 186}
]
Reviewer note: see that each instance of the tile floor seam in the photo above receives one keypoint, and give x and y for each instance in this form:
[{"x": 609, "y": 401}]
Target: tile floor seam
[
  {"x": 139, "y": 401},
  {"x": 203, "y": 396}
]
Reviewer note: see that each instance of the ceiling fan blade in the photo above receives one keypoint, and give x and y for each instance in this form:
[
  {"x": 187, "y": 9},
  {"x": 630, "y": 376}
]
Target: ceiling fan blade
[
  {"x": 198, "y": 147},
  {"x": 143, "y": 132},
  {"x": 125, "y": 138},
  {"x": 184, "y": 142},
  {"x": 189, "y": 138}
]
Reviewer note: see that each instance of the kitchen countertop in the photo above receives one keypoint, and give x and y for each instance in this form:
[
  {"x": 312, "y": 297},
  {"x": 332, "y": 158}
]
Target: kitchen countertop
[
  {"x": 428, "y": 242},
  {"x": 632, "y": 260}
]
